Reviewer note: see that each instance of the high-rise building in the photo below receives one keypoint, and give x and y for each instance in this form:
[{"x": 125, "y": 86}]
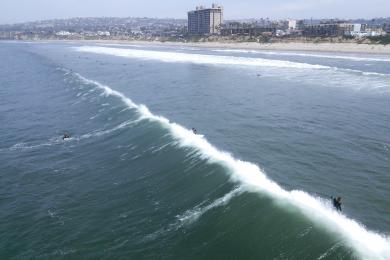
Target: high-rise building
[{"x": 205, "y": 20}]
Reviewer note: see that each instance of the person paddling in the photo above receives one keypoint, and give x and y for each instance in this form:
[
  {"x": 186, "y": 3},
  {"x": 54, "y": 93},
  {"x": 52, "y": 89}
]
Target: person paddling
[
  {"x": 66, "y": 136},
  {"x": 194, "y": 131}
]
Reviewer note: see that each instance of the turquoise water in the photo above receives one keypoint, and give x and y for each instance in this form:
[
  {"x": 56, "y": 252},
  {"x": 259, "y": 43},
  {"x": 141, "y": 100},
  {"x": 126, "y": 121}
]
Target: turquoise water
[{"x": 283, "y": 131}]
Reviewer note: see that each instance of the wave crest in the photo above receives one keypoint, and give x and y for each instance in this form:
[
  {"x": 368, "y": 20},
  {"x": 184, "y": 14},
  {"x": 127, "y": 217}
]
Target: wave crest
[{"x": 367, "y": 244}]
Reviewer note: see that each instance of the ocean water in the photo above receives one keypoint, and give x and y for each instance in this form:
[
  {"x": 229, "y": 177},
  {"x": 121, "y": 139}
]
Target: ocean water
[{"x": 280, "y": 132}]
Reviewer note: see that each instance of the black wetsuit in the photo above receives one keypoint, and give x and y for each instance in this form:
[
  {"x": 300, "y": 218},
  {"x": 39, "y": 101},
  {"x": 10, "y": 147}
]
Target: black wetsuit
[{"x": 336, "y": 204}]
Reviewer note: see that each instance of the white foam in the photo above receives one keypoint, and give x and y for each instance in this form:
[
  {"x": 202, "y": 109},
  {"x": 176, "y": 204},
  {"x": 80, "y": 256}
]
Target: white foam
[
  {"x": 192, "y": 215},
  {"x": 108, "y": 131},
  {"x": 314, "y": 55},
  {"x": 366, "y": 73},
  {"x": 368, "y": 244},
  {"x": 176, "y": 57},
  {"x": 122, "y": 45},
  {"x": 329, "y": 251},
  {"x": 26, "y": 146},
  {"x": 58, "y": 139},
  {"x": 195, "y": 58}
]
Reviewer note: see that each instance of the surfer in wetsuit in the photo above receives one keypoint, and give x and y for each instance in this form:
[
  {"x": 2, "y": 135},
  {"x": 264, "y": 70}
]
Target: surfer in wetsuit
[
  {"x": 194, "y": 131},
  {"x": 336, "y": 203},
  {"x": 66, "y": 136}
]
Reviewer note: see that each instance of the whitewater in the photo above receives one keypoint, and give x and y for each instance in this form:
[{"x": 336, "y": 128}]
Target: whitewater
[
  {"x": 326, "y": 56},
  {"x": 354, "y": 78},
  {"x": 278, "y": 135},
  {"x": 195, "y": 58},
  {"x": 368, "y": 244}
]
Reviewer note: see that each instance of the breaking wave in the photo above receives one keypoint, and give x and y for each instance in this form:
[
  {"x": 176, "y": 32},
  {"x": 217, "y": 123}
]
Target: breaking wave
[
  {"x": 368, "y": 244},
  {"x": 176, "y": 57},
  {"x": 196, "y": 58},
  {"x": 339, "y": 57}
]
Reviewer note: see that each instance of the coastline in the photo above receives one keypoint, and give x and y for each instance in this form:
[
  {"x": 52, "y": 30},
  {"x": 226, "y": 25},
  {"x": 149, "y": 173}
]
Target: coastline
[
  {"x": 299, "y": 46},
  {"x": 362, "y": 48}
]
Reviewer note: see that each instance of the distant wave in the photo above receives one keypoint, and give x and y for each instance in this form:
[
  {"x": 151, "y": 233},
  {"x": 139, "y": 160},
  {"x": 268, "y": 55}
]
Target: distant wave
[
  {"x": 122, "y": 45},
  {"x": 368, "y": 244},
  {"x": 366, "y": 73},
  {"x": 149, "y": 46},
  {"x": 326, "y": 56},
  {"x": 218, "y": 60},
  {"x": 196, "y": 58}
]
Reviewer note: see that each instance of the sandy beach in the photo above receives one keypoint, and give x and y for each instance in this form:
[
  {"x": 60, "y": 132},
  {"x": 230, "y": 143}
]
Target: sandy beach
[
  {"x": 345, "y": 47},
  {"x": 291, "y": 46},
  {"x": 296, "y": 46}
]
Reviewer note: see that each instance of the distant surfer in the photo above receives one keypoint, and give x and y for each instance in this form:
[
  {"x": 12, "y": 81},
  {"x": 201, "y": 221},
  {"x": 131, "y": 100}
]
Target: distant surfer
[
  {"x": 194, "y": 131},
  {"x": 66, "y": 136},
  {"x": 336, "y": 203}
]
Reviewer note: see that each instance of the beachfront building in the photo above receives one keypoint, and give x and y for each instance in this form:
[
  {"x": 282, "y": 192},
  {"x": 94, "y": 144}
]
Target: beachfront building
[
  {"x": 247, "y": 30},
  {"x": 320, "y": 30},
  {"x": 205, "y": 21},
  {"x": 332, "y": 29},
  {"x": 374, "y": 32}
]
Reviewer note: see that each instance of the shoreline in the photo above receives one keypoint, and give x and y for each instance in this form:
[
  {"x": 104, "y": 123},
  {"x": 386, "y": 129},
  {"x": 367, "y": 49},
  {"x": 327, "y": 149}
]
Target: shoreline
[
  {"x": 358, "y": 48},
  {"x": 304, "y": 47}
]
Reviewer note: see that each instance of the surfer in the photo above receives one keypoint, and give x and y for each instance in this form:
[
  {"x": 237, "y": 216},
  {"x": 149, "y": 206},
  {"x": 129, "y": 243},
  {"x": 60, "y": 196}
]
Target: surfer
[
  {"x": 66, "y": 136},
  {"x": 336, "y": 203},
  {"x": 194, "y": 131}
]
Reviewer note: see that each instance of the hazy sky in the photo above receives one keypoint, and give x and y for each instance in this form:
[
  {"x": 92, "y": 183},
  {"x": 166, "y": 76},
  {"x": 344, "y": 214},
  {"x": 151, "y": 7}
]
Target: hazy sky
[{"x": 12, "y": 11}]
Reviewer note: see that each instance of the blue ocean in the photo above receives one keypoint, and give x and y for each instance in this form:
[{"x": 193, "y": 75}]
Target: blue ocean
[{"x": 278, "y": 133}]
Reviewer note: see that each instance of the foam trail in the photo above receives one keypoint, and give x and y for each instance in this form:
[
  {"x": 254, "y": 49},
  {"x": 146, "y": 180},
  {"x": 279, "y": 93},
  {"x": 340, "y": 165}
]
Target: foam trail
[
  {"x": 58, "y": 139},
  {"x": 195, "y": 58},
  {"x": 194, "y": 214},
  {"x": 368, "y": 244},
  {"x": 108, "y": 131},
  {"x": 340, "y": 57},
  {"x": 25, "y": 146}
]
